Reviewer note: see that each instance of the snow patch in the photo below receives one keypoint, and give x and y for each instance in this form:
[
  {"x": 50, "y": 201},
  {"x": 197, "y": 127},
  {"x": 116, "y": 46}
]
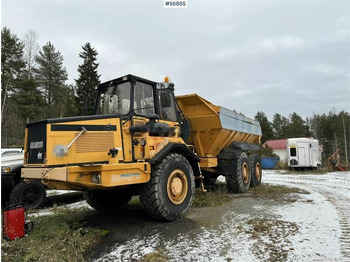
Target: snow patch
[{"x": 58, "y": 209}]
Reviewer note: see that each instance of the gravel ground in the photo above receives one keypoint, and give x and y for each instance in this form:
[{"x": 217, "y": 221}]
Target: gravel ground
[
  {"x": 293, "y": 227},
  {"x": 310, "y": 224}
]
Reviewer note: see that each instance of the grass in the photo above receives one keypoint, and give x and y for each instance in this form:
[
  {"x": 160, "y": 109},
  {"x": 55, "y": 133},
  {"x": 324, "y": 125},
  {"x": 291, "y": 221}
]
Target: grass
[
  {"x": 54, "y": 238},
  {"x": 216, "y": 195},
  {"x": 275, "y": 192},
  {"x": 281, "y": 165},
  {"x": 157, "y": 256},
  {"x": 134, "y": 202},
  {"x": 272, "y": 190}
]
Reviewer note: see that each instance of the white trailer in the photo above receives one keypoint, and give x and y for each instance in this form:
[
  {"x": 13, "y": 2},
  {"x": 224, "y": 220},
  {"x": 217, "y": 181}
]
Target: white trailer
[{"x": 303, "y": 153}]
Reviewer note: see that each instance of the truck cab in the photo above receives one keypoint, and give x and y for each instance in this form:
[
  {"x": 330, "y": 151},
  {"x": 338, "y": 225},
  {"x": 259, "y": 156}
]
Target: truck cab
[{"x": 131, "y": 96}]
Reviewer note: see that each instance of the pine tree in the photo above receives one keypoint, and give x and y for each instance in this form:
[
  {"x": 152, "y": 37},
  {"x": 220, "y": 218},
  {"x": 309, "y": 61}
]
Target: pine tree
[
  {"x": 51, "y": 76},
  {"x": 87, "y": 81},
  {"x": 266, "y": 127},
  {"x": 332, "y": 130},
  {"x": 280, "y": 125},
  {"x": 12, "y": 63},
  {"x": 28, "y": 99},
  {"x": 297, "y": 127},
  {"x": 67, "y": 102}
]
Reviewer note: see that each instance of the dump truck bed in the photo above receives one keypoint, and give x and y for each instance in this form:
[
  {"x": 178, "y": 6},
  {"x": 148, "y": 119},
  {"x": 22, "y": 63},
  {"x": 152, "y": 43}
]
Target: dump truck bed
[{"x": 213, "y": 128}]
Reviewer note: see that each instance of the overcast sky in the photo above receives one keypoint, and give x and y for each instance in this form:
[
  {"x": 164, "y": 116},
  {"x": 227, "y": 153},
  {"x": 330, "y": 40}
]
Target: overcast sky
[{"x": 271, "y": 56}]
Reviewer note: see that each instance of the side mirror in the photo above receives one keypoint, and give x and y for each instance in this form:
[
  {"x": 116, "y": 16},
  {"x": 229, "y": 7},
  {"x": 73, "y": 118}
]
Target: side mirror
[{"x": 165, "y": 100}]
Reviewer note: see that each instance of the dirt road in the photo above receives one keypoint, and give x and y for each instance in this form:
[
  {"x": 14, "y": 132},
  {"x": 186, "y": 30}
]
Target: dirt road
[
  {"x": 270, "y": 226},
  {"x": 332, "y": 189}
]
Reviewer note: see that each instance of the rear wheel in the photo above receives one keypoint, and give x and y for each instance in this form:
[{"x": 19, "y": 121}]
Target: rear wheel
[
  {"x": 107, "y": 200},
  {"x": 169, "y": 193},
  {"x": 256, "y": 170},
  {"x": 239, "y": 180},
  {"x": 31, "y": 195}
]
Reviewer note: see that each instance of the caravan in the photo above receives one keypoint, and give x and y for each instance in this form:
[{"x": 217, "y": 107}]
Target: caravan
[{"x": 303, "y": 153}]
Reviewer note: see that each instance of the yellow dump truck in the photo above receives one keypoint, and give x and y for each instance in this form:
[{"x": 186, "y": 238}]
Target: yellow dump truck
[{"x": 142, "y": 140}]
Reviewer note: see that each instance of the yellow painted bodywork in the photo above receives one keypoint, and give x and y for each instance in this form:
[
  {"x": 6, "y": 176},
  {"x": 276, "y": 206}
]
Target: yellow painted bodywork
[
  {"x": 88, "y": 155},
  {"x": 73, "y": 177},
  {"x": 208, "y": 162},
  {"x": 207, "y": 133},
  {"x": 90, "y": 147},
  {"x": 154, "y": 144}
]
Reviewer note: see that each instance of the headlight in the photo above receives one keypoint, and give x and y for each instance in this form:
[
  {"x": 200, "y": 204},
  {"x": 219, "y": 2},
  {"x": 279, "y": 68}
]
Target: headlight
[
  {"x": 96, "y": 178},
  {"x": 5, "y": 169},
  {"x": 143, "y": 142}
]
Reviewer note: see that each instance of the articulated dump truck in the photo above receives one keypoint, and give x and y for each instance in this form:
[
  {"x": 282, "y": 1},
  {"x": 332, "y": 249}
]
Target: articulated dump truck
[{"x": 142, "y": 140}]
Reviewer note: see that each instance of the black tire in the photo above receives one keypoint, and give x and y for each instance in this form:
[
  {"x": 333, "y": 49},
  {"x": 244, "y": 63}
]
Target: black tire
[
  {"x": 256, "y": 170},
  {"x": 239, "y": 180},
  {"x": 107, "y": 200},
  {"x": 31, "y": 195},
  {"x": 169, "y": 193}
]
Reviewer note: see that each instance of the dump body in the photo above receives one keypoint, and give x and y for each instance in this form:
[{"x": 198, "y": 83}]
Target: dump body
[{"x": 214, "y": 128}]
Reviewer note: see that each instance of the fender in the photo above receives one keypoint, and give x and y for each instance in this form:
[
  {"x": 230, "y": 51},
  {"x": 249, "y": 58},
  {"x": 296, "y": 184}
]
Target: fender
[
  {"x": 181, "y": 149},
  {"x": 235, "y": 148},
  {"x": 177, "y": 148}
]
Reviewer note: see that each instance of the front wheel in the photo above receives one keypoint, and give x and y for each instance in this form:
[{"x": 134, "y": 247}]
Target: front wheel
[
  {"x": 31, "y": 195},
  {"x": 107, "y": 200},
  {"x": 169, "y": 193}
]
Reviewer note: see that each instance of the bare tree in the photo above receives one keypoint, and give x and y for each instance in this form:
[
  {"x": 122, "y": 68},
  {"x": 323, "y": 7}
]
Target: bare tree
[{"x": 31, "y": 49}]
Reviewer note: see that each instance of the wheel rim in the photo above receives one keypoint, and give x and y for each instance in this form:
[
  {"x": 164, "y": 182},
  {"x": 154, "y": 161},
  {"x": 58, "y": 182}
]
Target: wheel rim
[
  {"x": 177, "y": 187},
  {"x": 30, "y": 197},
  {"x": 258, "y": 171},
  {"x": 245, "y": 173}
]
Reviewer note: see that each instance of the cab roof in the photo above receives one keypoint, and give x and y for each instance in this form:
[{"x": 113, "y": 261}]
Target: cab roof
[{"x": 124, "y": 79}]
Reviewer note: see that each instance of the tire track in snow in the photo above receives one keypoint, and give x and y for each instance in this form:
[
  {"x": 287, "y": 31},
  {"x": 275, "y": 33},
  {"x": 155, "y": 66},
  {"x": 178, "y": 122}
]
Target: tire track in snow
[{"x": 335, "y": 187}]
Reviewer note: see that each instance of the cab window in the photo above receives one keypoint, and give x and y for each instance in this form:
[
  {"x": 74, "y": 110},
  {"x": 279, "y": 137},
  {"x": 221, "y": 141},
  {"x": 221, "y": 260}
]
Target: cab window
[
  {"x": 115, "y": 100},
  {"x": 167, "y": 106},
  {"x": 143, "y": 99}
]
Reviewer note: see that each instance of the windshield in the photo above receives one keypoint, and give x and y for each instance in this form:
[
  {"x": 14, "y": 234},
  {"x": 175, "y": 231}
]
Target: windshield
[{"x": 115, "y": 100}]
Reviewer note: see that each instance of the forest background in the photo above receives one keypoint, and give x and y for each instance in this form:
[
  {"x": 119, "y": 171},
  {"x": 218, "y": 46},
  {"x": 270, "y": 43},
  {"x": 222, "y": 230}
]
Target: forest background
[{"x": 33, "y": 87}]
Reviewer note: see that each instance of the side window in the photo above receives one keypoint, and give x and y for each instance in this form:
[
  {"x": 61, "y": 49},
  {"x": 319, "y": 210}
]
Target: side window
[
  {"x": 167, "y": 106},
  {"x": 293, "y": 152},
  {"x": 143, "y": 99}
]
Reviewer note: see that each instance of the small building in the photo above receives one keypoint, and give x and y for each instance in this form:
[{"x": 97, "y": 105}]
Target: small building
[{"x": 279, "y": 147}]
